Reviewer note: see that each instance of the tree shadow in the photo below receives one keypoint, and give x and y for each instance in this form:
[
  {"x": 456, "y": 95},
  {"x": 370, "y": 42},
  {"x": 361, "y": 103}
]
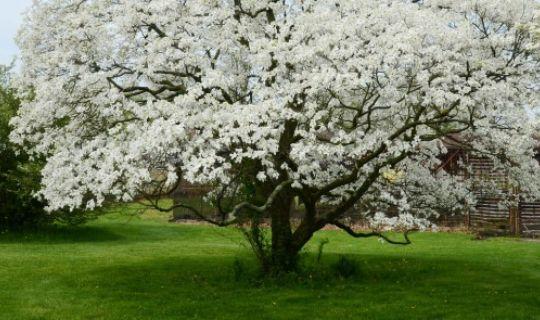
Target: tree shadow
[
  {"x": 191, "y": 285},
  {"x": 127, "y": 231},
  {"x": 372, "y": 269},
  {"x": 61, "y": 235}
]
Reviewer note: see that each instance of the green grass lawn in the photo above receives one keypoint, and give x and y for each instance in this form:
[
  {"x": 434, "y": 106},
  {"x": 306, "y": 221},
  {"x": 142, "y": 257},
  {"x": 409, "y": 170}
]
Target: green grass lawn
[{"x": 124, "y": 267}]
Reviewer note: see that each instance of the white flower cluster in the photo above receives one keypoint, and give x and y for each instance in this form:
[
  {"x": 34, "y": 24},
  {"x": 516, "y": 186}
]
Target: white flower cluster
[
  {"x": 403, "y": 222},
  {"x": 328, "y": 94}
]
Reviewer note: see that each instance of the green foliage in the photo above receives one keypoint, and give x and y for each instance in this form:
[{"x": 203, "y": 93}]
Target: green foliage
[{"x": 19, "y": 177}]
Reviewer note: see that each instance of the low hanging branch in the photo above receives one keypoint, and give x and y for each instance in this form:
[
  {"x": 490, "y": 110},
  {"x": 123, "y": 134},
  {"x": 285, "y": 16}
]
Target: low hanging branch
[
  {"x": 355, "y": 234},
  {"x": 154, "y": 203}
]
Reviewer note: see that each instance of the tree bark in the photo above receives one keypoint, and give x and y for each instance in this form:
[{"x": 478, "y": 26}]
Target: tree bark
[{"x": 284, "y": 256}]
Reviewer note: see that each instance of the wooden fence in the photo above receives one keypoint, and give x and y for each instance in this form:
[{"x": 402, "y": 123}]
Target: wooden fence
[
  {"x": 488, "y": 217},
  {"x": 491, "y": 215},
  {"x": 529, "y": 218}
]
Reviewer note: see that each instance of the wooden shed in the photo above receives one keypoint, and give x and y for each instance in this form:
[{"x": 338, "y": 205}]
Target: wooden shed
[{"x": 491, "y": 215}]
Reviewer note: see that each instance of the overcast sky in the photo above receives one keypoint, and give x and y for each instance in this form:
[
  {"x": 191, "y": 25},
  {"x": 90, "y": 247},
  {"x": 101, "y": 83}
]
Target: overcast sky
[{"x": 10, "y": 20}]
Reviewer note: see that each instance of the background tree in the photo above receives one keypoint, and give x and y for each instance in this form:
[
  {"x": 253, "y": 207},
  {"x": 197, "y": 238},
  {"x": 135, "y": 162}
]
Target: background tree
[
  {"x": 18, "y": 177},
  {"x": 340, "y": 104}
]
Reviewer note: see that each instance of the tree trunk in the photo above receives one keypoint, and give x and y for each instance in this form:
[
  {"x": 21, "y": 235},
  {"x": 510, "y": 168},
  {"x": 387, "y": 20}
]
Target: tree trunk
[{"x": 283, "y": 255}]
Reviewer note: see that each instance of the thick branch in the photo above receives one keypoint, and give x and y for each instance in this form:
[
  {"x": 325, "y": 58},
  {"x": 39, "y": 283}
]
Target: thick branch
[{"x": 355, "y": 234}]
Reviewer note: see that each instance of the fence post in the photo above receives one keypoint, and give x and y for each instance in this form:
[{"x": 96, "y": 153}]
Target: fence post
[
  {"x": 514, "y": 220},
  {"x": 467, "y": 221},
  {"x": 518, "y": 220}
]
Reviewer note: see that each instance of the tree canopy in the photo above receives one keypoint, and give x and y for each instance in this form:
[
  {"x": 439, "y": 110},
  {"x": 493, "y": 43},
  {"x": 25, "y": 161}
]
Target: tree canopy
[{"x": 341, "y": 104}]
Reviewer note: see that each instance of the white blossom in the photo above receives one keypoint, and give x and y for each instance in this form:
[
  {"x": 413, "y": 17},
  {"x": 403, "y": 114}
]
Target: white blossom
[{"x": 348, "y": 99}]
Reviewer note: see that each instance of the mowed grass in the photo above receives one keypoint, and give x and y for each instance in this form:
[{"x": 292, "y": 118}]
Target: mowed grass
[{"x": 141, "y": 267}]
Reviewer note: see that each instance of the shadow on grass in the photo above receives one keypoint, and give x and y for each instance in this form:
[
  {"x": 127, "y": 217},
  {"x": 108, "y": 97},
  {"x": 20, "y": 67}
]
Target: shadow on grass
[
  {"x": 128, "y": 231},
  {"x": 201, "y": 286},
  {"x": 61, "y": 235},
  {"x": 373, "y": 269}
]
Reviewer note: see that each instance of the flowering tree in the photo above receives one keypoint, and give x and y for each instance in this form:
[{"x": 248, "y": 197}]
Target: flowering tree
[{"x": 334, "y": 105}]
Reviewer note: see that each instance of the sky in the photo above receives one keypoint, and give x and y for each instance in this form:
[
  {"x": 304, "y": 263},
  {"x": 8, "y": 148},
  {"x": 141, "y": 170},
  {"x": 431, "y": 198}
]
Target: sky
[{"x": 10, "y": 20}]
